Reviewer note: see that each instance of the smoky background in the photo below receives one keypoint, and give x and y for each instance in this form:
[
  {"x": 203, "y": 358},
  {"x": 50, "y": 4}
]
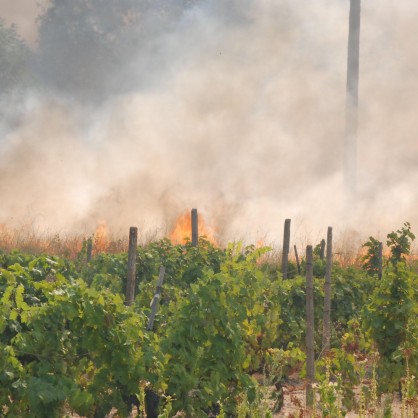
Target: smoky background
[{"x": 135, "y": 112}]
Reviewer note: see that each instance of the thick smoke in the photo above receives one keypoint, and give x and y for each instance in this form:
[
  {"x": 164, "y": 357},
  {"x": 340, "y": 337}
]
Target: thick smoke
[{"x": 236, "y": 108}]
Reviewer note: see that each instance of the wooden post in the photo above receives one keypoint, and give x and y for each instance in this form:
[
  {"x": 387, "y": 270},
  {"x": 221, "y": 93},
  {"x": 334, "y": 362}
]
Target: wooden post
[
  {"x": 195, "y": 229},
  {"x": 297, "y": 260},
  {"x": 130, "y": 282},
  {"x": 286, "y": 245},
  {"x": 89, "y": 249},
  {"x": 326, "y": 336},
  {"x": 310, "y": 354},
  {"x": 380, "y": 261},
  {"x": 322, "y": 249},
  {"x": 156, "y": 299}
]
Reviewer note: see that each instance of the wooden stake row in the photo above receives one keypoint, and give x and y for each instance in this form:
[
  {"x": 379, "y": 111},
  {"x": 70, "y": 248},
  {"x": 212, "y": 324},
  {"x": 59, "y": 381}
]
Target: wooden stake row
[
  {"x": 310, "y": 322},
  {"x": 132, "y": 251},
  {"x": 310, "y": 326}
]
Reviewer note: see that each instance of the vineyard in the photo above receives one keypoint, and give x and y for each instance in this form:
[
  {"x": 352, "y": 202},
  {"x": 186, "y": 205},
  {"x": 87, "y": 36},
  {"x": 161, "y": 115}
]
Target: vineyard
[{"x": 228, "y": 338}]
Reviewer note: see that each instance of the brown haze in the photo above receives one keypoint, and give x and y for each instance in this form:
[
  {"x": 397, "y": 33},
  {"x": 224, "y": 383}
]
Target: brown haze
[{"x": 247, "y": 126}]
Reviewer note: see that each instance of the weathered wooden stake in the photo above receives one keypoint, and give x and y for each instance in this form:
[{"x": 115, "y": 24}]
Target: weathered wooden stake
[
  {"x": 286, "y": 246},
  {"x": 130, "y": 282},
  {"x": 322, "y": 249},
  {"x": 156, "y": 299},
  {"x": 195, "y": 229},
  {"x": 380, "y": 261},
  {"x": 310, "y": 354},
  {"x": 297, "y": 259},
  {"x": 89, "y": 249},
  {"x": 326, "y": 336}
]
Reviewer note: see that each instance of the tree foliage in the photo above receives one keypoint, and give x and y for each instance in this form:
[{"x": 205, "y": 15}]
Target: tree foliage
[
  {"x": 371, "y": 259},
  {"x": 94, "y": 47},
  {"x": 399, "y": 243},
  {"x": 14, "y": 60}
]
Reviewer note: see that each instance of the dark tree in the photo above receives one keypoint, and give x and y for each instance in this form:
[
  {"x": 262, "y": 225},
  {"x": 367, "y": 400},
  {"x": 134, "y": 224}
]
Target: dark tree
[
  {"x": 92, "y": 48},
  {"x": 14, "y": 61}
]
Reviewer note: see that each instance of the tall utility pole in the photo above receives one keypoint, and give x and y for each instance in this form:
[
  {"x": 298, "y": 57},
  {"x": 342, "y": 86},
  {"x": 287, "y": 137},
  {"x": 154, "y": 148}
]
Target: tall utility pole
[{"x": 351, "y": 123}]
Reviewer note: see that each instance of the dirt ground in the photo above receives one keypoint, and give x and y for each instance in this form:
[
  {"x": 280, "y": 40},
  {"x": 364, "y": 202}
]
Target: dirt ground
[
  {"x": 294, "y": 405},
  {"x": 294, "y": 402}
]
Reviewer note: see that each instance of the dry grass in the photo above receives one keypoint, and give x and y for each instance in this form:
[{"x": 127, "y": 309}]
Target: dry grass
[
  {"x": 33, "y": 241},
  {"x": 294, "y": 405}
]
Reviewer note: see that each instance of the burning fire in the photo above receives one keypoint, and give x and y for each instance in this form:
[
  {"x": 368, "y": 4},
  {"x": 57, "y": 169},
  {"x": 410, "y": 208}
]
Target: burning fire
[
  {"x": 101, "y": 237},
  {"x": 182, "y": 231}
]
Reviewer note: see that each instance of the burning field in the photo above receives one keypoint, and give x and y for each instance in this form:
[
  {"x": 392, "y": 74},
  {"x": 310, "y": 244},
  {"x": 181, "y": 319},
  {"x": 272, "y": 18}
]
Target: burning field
[{"x": 122, "y": 115}]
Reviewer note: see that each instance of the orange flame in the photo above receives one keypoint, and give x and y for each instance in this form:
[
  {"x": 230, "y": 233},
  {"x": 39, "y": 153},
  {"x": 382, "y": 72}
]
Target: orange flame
[
  {"x": 101, "y": 237},
  {"x": 182, "y": 230},
  {"x": 260, "y": 243}
]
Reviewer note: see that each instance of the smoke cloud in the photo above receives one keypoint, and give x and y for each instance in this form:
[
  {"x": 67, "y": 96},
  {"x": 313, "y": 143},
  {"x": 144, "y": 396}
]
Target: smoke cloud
[{"x": 235, "y": 108}]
